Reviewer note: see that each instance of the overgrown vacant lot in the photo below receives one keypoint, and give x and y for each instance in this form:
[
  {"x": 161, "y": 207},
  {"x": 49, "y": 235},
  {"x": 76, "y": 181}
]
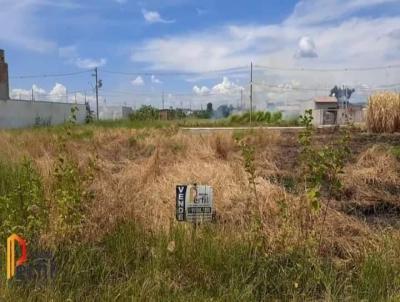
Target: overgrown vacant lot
[{"x": 296, "y": 220}]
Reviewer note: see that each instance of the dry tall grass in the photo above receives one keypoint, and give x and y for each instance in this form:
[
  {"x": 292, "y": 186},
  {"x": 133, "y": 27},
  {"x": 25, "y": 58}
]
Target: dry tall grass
[
  {"x": 374, "y": 177},
  {"x": 137, "y": 171},
  {"x": 384, "y": 112}
]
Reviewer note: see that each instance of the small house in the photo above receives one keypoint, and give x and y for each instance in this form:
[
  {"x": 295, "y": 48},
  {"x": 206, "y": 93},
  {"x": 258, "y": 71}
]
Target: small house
[
  {"x": 325, "y": 102},
  {"x": 325, "y": 110}
]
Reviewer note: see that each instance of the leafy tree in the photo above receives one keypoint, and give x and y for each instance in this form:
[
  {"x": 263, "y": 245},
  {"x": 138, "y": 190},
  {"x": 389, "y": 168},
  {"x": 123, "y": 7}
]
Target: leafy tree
[
  {"x": 203, "y": 114},
  {"x": 89, "y": 114},
  {"x": 180, "y": 114},
  {"x": 224, "y": 111},
  {"x": 210, "y": 107},
  {"x": 146, "y": 112},
  {"x": 276, "y": 117}
]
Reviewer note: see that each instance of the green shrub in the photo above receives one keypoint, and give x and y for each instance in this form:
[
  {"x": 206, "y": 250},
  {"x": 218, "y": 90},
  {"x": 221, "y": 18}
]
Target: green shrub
[
  {"x": 263, "y": 117},
  {"x": 23, "y": 208},
  {"x": 276, "y": 117},
  {"x": 396, "y": 151},
  {"x": 146, "y": 112},
  {"x": 267, "y": 116},
  {"x": 69, "y": 193},
  {"x": 69, "y": 197}
]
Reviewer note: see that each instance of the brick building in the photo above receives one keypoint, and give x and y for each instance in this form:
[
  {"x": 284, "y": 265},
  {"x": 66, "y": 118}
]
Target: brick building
[{"x": 4, "y": 86}]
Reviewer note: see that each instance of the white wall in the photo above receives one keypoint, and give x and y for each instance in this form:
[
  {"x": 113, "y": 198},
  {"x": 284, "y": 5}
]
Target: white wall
[
  {"x": 18, "y": 114},
  {"x": 317, "y": 117},
  {"x": 114, "y": 112}
]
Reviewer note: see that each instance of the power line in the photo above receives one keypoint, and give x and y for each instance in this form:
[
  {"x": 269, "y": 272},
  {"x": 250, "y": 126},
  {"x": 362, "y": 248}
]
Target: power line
[
  {"x": 328, "y": 69},
  {"x": 174, "y": 73},
  {"x": 226, "y": 70},
  {"x": 133, "y": 93},
  {"x": 390, "y": 85},
  {"x": 50, "y": 75},
  {"x": 383, "y": 87},
  {"x": 251, "y": 92}
]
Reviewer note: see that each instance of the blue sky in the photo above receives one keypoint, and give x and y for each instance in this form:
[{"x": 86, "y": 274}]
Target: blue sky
[{"x": 187, "y": 36}]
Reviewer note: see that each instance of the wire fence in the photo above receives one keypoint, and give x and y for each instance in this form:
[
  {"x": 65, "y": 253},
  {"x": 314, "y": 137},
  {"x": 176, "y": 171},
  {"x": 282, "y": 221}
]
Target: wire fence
[
  {"x": 78, "y": 97},
  {"x": 272, "y": 87}
]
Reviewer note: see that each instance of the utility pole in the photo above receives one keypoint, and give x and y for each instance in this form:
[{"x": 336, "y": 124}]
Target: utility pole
[
  {"x": 33, "y": 98},
  {"x": 241, "y": 99},
  {"x": 163, "y": 100},
  {"x": 251, "y": 92},
  {"x": 97, "y": 93}
]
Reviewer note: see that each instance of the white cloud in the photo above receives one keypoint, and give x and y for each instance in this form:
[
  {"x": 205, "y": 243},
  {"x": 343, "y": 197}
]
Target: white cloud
[
  {"x": 88, "y": 63},
  {"x": 21, "y": 25},
  {"x": 58, "y": 91},
  {"x": 306, "y": 48},
  {"x": 26, "y": 94},
  {"x": 68, "y": 52},
  {"x": 154, "y": 80},
  {"x": 37, "y": 90},
  {"x": 71, "y": 54},
  {"x": 201, "y": 90},
  {"x": 138, "y": 81},
  {"x": 316, "y": 29},
  {"x": 226, "y": 87},
  {"x": 20, "y": 94},
  {"x": 154, "y": 17},
  {"x": 347, "y": 42},
  {"x": 319, "y": 11},
  {"x": 339, "y": 37},
  {"x": 224, "y": 92}
]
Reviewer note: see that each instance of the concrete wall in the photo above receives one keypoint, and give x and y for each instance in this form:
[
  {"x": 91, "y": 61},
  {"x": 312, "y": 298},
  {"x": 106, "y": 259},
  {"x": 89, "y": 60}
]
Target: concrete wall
[
  {"x": 19, "y": 114},
  {"x": 321, "y": 106},
  {"x": 354, "y": 115},
  {"x": 317, "y": 117},
  {"x": 114, "y": 112}
]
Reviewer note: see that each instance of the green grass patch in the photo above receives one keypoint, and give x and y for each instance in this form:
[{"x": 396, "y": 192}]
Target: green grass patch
[
  {"x": 396, "y": 151},
  {"x": 23, "y": 208},
  {"x": 207, "y": 264}
]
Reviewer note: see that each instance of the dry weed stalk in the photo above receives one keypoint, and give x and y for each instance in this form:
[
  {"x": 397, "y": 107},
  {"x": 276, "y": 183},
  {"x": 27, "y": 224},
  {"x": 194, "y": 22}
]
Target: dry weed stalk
[
  {"x": 383, "y": 113},
  {"x": 374, "y": 177}
]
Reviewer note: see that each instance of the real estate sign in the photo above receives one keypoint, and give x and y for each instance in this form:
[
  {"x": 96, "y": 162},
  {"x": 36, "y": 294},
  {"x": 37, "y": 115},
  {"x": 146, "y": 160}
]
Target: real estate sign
[{"x": 194, "y": 203}]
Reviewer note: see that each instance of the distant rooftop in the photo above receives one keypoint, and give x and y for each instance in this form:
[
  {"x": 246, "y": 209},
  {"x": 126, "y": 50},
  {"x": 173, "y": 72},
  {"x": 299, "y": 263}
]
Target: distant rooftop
[{"x": 325, "y": 99}]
